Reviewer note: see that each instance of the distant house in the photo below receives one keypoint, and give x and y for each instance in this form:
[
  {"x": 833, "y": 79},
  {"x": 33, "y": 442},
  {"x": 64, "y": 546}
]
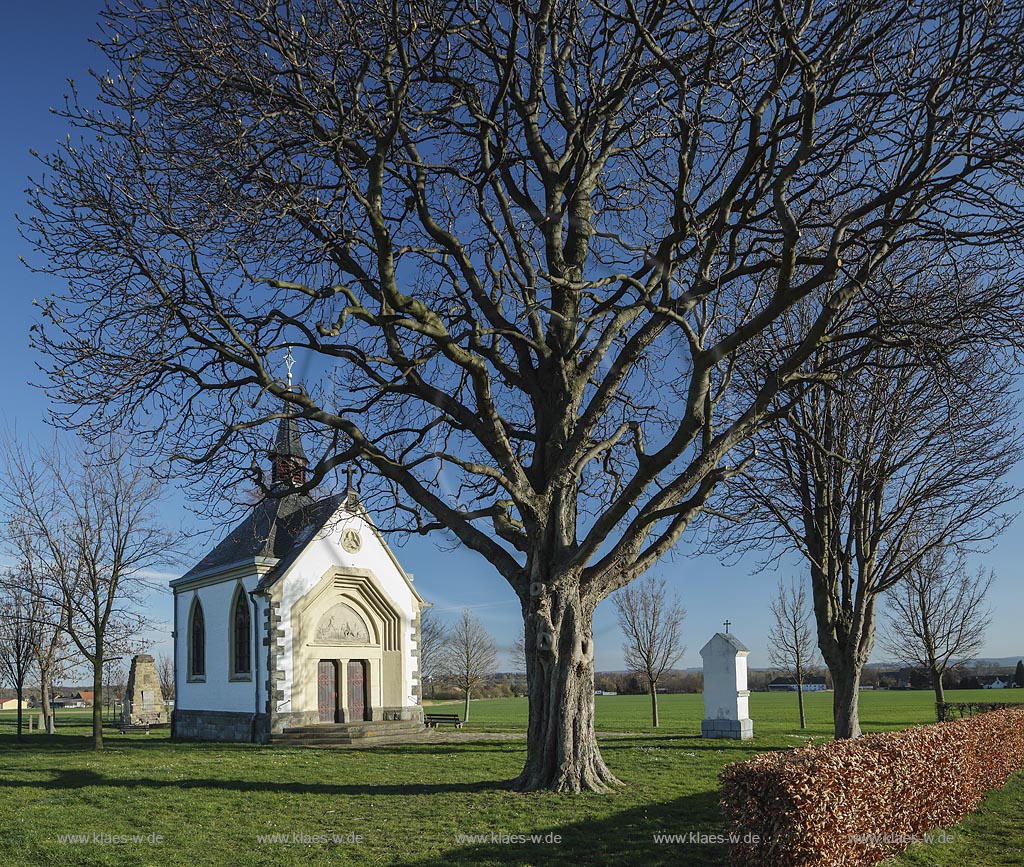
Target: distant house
[
  {"x": 86, "y": 695},
  {"x": 788, "y": 684},
  {"x": 996, "y": 682},
  {"x": 12, "y": 704},
  {"x": 69, "y": 701}
]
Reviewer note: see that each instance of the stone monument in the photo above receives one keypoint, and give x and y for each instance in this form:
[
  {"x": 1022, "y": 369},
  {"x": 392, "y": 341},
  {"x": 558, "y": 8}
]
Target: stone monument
[
  {"x": 143, "y": 700},
  {"x": 725, "y": 689}
]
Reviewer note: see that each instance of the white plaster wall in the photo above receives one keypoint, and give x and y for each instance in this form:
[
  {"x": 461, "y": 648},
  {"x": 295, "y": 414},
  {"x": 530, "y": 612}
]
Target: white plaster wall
[
  {"x": 324, "y": 553},
  {"x": 218, "y": 691}
]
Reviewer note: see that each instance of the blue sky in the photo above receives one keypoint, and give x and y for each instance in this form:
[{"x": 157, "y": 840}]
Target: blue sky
[{"x": 46, "y": 43}]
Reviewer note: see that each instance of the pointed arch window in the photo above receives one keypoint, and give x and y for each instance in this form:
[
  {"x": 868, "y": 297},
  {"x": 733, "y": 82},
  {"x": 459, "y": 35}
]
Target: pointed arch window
[
  {"x": 196, "y": 642},
  {"x": 241, "y": 636}
]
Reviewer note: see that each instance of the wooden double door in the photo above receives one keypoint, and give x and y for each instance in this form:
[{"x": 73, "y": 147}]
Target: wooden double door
[{"x": 357, "y": 707}]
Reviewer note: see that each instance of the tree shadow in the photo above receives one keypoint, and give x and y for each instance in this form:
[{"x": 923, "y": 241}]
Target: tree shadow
[
  {"x": 65, "y": 780},
  {"x": 627, "y": 837}
]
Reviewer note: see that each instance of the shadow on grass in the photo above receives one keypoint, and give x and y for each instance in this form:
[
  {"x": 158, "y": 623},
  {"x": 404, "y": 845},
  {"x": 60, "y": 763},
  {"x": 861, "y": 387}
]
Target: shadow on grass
[
  {"x": 624, "y": 837},
  {"x": 66, "y": 780},
  {"x": 627, "y": 837}
]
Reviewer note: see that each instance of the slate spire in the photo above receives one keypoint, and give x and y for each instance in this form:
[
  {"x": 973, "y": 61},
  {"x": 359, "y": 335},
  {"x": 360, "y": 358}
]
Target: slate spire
[{"x": 288, "y": 458}]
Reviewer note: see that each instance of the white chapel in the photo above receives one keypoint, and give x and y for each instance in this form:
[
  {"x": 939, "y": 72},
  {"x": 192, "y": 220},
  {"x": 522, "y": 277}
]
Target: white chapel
[{"x": 302, "y": 616}]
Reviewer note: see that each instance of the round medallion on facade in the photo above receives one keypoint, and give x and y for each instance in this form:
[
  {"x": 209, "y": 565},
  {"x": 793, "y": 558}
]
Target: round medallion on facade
[{"x": 350, "y": 541}]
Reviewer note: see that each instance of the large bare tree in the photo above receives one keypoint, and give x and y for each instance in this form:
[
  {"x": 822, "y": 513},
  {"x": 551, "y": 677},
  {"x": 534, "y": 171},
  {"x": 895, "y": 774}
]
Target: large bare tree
[
  {"x": 868, "y": 475},
  {"x": 653, "y": 626},
  {"x": 518, "y": 250},
  {"x": 938, "y": 614},
  {"x": 470, "y": 655},
  {"x": 90, "y": 518},
  {"x": 791, "y": 637}
]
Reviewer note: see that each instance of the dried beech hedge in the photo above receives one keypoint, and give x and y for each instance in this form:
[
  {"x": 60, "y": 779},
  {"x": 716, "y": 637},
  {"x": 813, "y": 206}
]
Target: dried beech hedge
[{"x": 856, "y": 802}]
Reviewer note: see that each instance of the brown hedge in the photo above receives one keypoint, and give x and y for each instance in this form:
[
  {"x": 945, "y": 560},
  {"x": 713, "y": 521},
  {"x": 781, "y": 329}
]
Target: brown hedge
[{"x": 856, "y": 802}]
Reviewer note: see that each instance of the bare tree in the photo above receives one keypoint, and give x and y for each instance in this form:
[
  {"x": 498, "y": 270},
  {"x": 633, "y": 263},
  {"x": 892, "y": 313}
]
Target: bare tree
[
  {"x": 791, "y": 639},
  {"x": 867, "y": 476},
  {"x": 653, "y": 626},
  {"x": 938, "y": 614},
  {"x": 520, "y": 250},
  {"x": 52, "y": 654},
  {"x": 518, "y": 652},
  {"x": 432, "y": 647},
  {"x": 471, "y": 656},
  {"x": 165, "y": 674},
  {"x": 52, "y": 657},
  {"x": 18, "y": 640},
  {"x": 91, "y": 519},
  {"x": 115, "y": 682}
]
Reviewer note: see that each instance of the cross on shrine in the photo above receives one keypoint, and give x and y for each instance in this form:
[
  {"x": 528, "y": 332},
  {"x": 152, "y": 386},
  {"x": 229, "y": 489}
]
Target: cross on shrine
[
  {"x": 348, "y": 472},
  {"x": 727, "y": 625}
]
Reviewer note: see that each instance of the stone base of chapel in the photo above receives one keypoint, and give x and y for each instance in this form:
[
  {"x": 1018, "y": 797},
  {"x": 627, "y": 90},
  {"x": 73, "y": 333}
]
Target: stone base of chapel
[{"x": 212, "y": 725}]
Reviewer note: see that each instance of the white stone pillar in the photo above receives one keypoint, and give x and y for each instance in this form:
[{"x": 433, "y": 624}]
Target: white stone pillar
[{"x": 725, "y": 689}]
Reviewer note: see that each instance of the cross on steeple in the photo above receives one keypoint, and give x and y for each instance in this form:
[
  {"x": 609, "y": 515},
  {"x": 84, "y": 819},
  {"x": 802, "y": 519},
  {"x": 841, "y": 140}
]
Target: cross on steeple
[
  {"x": 289, "y": 361},
  {"x": 728, "y": 623}
]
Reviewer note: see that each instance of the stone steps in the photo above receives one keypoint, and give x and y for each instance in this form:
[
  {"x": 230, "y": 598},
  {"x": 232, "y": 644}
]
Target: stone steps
[{"x": 340, "y": 734}]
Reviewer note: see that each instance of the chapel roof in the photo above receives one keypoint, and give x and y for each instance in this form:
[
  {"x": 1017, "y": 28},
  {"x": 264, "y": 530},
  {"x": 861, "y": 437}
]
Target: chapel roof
[{"x": 276, "y": 528}]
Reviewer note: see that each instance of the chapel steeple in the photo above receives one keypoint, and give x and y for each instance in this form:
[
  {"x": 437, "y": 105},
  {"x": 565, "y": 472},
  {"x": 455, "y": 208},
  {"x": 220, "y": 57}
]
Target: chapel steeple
[
  {"x": 289, "y": 461},
  {"x": 288, "y": 458}
]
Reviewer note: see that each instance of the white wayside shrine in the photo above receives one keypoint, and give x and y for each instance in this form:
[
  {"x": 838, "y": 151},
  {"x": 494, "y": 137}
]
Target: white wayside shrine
[
  {"x": 300, "y": 618},
  {"x": 725, "y": 689}
]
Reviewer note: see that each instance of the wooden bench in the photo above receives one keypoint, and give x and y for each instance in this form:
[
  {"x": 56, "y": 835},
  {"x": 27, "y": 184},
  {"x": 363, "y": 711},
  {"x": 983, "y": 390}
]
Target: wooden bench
[
  {"x": 433, "y": 720},
  {"x": 133, "y": 730}
]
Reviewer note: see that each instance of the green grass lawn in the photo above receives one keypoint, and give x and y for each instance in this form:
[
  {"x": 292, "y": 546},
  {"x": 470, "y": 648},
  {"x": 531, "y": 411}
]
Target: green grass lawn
[{"x": 197, "y": 804}]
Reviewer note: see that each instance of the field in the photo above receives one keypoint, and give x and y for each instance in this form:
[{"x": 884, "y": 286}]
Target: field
[{"x": 193, "y": 804}]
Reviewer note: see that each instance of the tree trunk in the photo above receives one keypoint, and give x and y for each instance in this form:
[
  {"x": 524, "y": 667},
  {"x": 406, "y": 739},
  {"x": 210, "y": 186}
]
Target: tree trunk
[
  {"x": 44, "y": 700},
  {"x": 845, "y": 696},
  {"x": 940, "y": 692},
  {"x": 97, "y": 703},
  {"x": 465, "y": 716},
  {"x": 654, "y": 704},
  {"x": 20, "y": 692},
  {"x": 561, "y": 749},
  {"x": 800, "y": 700}
]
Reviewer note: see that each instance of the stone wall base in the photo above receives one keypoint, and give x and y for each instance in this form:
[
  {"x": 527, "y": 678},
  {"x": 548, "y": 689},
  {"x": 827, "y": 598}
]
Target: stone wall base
[
  {"x": 219, "y": 725},
  {"x": 738, "y": 730}
]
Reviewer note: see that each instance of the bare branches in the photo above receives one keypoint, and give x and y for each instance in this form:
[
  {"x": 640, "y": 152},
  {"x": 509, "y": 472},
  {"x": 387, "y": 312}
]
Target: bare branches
[
  {"x": 19, "y": 637},
  {"x": 652, "y": 624},
  {"x": 84, "y": 527},
  {"x": 791, "y": 642},
  {"x": 938, "y": 615},
  {"x": 902, "y": 450},
  {"x": 523, "y": 251},
  {"x": 469, "y": 658},
  {"x": 506, "y": 227}
]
